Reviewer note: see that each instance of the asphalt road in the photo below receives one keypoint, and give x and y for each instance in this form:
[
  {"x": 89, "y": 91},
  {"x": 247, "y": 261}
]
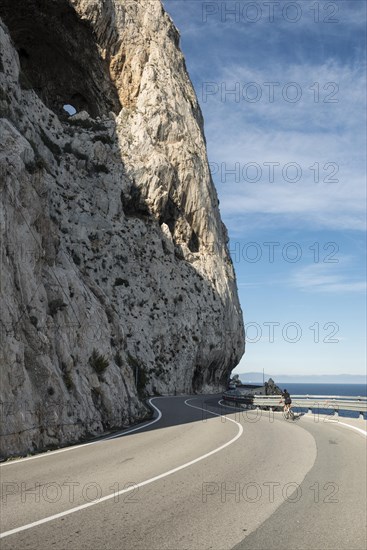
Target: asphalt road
[{"x": 193, "y": 480}]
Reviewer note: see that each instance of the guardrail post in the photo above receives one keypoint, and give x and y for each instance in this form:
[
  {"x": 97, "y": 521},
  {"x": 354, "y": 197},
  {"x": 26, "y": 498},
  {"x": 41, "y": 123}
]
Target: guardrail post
[
  {"x": 309, "y": 410},
  {"x": 335, "y": 407},
  {"x": 361, "y": 417}
]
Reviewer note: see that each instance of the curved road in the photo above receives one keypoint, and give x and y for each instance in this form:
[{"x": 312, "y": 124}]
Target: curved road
[{"x": 199, "y": 476}]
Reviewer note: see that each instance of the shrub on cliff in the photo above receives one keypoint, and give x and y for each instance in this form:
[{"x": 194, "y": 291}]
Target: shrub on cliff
[{"x": 98, "y": 362}]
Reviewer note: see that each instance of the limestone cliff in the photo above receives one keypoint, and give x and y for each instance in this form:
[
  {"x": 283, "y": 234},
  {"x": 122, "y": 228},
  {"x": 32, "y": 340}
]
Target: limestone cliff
[{"x": 116, "y": 280}]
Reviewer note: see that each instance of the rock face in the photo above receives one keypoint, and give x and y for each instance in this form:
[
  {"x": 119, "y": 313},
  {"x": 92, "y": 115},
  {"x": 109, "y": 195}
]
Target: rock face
[
  {"x": 271, "y": 388},
  {"x": 116, "y": 280}
]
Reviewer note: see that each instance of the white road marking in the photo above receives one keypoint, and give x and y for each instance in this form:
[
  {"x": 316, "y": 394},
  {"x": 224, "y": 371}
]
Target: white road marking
[
  {"x": 73, "y": 447},
  {"x": 146, "y": 482},
  {"x": 338, "y": 423},
  {"x": 140, "y": 427}
]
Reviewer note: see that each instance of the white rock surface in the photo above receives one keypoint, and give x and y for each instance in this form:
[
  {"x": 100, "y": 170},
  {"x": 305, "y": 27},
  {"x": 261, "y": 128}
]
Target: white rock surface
[{"x": 111, "y": 238}]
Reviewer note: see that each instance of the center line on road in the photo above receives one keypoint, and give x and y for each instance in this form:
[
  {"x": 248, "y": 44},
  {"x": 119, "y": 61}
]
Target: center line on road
[{"x": 142, "y": 484}]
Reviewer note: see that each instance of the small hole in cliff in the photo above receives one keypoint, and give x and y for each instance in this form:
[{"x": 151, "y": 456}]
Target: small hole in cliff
[
  {"x": 59, "y": 56},
  {"x": 70, "y": 109}
]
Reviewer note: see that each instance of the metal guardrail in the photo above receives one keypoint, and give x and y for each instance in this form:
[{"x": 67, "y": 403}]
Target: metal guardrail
[{"x": 335, "y": 403}]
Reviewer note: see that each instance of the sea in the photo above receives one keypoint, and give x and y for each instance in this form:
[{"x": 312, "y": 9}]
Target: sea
[
  {"x": 354, "y": 390},
  {"x": 350, "y": 390}
]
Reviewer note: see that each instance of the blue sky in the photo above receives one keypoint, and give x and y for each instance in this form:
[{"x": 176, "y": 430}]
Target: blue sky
[{"x": 282, "y": 88}]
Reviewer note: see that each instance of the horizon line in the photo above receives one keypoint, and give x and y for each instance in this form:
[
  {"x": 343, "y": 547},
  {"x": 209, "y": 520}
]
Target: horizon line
[{"x": 304, "y": 375}]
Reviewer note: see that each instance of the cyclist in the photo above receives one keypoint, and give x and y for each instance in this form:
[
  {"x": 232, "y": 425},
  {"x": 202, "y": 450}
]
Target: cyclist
[{"x": 287, "y": 401}]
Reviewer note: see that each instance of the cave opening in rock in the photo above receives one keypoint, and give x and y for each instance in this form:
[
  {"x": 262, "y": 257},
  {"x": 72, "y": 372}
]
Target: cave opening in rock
[
  {"x": 69, "y": 109},
  {"x": 59, "y": 57}
]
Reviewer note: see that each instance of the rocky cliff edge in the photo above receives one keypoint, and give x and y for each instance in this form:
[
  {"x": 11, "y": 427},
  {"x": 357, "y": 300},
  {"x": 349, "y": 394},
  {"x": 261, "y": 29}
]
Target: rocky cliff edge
[{"x": 116, "y": 281}]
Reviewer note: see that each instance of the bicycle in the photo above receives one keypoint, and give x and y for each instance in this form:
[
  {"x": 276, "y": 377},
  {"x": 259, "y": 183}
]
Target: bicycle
[
  {"x": 289, "y": 414},
  {"x": 287, "y": 411}
]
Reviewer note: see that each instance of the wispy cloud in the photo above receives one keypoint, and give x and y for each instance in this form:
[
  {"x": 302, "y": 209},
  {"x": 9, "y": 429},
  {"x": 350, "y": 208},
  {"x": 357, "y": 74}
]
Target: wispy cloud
[
  {"x": 325, "y": 141},
  {"x": 325, "y": 125},
  {"x": 325, "y": 278}
]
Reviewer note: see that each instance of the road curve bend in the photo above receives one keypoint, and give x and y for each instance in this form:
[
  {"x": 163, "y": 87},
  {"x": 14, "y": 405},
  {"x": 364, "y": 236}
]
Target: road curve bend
[{"x": 197, "y": 476}]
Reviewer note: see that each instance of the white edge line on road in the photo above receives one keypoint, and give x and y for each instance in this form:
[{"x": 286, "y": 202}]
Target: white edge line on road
[
  {"x": 146, "y": 482},
  {"x": 73, "y": 447},
  {"x": 114, "y": 436},
  {"x": 338, "y": 423}
]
